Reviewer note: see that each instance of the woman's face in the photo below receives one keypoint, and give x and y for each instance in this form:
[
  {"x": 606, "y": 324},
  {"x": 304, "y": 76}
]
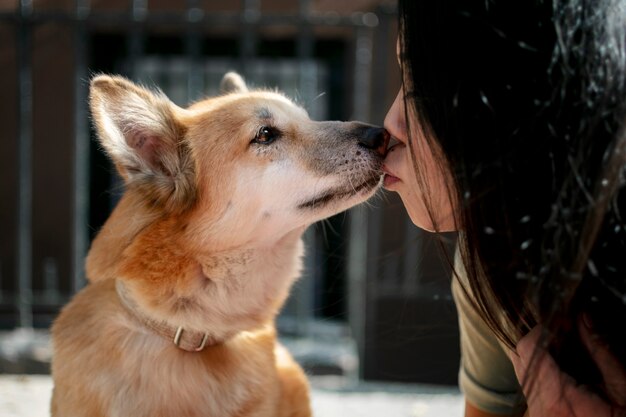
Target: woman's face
[{"x": 402, "y": 178}]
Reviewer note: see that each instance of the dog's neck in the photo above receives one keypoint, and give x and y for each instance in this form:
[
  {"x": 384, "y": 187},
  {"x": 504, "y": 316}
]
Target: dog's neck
[
  {"x": 187, "y": 340},
  {"x": 216, "y": 293},
  {"x": 228, "y": 264}
]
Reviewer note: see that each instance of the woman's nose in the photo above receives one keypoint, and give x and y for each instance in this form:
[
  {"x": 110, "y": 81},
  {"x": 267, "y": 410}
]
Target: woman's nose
[{"x": 394, "y": 121}]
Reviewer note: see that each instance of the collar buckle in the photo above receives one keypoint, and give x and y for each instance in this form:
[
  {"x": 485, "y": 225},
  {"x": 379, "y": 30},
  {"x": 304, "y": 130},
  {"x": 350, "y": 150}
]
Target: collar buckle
[{"x": 179, "y": 334}]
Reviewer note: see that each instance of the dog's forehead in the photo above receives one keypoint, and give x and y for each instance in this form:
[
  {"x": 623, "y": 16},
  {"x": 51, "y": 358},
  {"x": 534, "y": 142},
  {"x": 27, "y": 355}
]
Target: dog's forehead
[
  {"x": 263, "y": 105},
  {"x": 273, "y": 106}
]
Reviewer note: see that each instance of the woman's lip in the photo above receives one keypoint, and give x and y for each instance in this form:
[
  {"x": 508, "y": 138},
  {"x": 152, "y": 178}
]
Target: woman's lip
[{"x": 390, "y": 178}]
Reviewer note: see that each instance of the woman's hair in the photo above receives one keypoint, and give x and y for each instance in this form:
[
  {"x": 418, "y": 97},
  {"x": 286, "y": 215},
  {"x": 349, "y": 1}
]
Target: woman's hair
[{"x": 525, "y": 103}]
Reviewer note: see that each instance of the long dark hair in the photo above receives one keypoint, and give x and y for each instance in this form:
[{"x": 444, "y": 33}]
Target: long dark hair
[{"x": 526, "y": 103}]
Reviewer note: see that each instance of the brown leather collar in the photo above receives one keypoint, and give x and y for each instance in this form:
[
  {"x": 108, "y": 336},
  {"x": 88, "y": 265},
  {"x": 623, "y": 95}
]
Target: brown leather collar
[{"x": 188, "y": 340}]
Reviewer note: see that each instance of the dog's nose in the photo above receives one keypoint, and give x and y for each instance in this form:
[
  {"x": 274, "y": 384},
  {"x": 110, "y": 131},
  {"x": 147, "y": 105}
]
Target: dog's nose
[{"x": 375, "y": 138}]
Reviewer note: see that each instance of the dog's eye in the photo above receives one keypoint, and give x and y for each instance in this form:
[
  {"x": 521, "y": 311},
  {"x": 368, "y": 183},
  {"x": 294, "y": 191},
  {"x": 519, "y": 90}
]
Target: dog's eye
[{"x": 266, "y": 135}]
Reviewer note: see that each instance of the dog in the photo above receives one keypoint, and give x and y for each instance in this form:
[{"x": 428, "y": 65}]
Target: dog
[{"x": 189, "y": 271}]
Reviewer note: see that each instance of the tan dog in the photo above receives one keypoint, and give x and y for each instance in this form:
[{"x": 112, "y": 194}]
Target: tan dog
[{"x": 189, "y": 272}]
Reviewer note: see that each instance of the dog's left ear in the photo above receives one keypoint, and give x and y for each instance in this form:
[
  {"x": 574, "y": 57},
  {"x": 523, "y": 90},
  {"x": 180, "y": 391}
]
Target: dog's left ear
[
  {"x": 233, "y": 83},
  {"x": 141, "y": 133}
]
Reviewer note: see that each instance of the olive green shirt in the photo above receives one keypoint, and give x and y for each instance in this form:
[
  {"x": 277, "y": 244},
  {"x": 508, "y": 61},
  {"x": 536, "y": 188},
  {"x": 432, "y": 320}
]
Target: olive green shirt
[{"x": 486, "y": 374}]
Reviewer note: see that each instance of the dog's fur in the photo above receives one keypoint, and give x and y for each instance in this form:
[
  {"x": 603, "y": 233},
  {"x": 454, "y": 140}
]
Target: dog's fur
[{"x": 207, "y": 236}]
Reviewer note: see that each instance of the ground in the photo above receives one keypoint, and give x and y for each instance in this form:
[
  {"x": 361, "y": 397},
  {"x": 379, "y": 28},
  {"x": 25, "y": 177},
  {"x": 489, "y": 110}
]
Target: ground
[{"x": 29, "y": 396}]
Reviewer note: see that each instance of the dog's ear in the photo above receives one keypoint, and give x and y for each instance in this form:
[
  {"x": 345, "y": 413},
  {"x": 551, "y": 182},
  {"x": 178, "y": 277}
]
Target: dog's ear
[
  {"x": 139, "y": 130},
  {"x": 233, "y": 83}
]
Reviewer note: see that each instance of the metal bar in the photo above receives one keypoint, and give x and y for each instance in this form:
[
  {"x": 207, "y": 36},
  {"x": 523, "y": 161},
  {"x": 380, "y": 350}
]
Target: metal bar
[
  {"x": 305, "y": 35},
  {"x": 357, "y": 275},
  {"x": 380, "y": 72},
  {"x": 1, "y": 282},
  {"x": 251, "y": 14},
  {"x": 139, "y": 13},
  {"x": 50, "y": 280},
  {"x": 80, "y": 233},
  {"x": 25, "y": 163},
  {"x": 193, "y": 49},
  {"x": 305, "y": 46},
  {"x": 362, "y": 74}
]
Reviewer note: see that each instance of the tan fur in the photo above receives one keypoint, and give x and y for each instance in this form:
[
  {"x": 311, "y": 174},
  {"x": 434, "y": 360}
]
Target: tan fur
[{"x": 207, "y": 236}]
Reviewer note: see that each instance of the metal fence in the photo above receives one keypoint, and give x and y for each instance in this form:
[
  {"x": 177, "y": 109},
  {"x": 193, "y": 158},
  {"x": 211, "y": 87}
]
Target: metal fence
[{"x": 301, "y": 75}]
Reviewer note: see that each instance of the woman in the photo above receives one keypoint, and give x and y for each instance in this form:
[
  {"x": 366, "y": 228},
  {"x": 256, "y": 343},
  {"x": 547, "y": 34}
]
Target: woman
[{"x": 511, "y": 129}]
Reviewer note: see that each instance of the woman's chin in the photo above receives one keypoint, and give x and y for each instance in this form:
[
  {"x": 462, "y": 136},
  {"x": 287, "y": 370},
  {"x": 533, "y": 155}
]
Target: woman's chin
[{"x": 417, "y": 212}]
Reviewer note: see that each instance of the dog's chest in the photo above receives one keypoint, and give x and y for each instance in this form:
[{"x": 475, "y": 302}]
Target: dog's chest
[{"x": 185, "y": 384}]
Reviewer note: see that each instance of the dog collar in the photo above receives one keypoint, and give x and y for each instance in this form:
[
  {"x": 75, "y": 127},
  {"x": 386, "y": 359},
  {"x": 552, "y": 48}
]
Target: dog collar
[{"x": 187, "y": 340}]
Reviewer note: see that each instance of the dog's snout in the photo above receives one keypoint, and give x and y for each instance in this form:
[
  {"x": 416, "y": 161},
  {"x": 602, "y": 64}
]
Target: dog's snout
[{"x": 375, "y": 138}]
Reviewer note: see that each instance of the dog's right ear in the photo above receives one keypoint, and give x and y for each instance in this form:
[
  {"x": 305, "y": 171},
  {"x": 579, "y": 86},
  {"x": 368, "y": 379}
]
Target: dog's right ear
[
  {"x": 140, "y": 131},
  {"x": 233, "y": 83}
]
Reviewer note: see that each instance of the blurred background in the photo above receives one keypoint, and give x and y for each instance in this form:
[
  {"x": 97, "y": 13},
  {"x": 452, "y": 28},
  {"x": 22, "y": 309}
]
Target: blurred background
[{"x": 374, "y": 302}]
